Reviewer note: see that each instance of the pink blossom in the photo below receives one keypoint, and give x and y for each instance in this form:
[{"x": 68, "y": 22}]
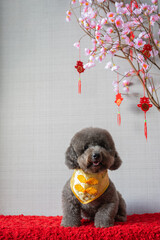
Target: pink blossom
[
  {"x": 73, "y": 1},
  {"x": 137, "y": 21},
  {"x": 143, "y": 35},
  {"x": 110, "y": 30},
  {"x": 91, "y": 13},
  {"x": 114, "y": 68},
  {"x": 92, "y": 24},
  {"x": 153, "y": 8},
  {"x": 118, "y": 4},
  {"x": 92, "y": 58},
  {"x": 111, "y": 16},
  {"x": 100, "y": 1},
  {"x": 140, "y": 58},
  {"x": 108, "y": 65},
  {"x": 126, "y": 83},
  {"x": 87, "y": 51},
  {"x": 126, "y": 89},
  {"x": 104, "y": 21},
  {"x": 154, "y": 1},
  {"x": 97, "y": 35},
  {"x": 116, "y": 45},
  {"x": 119, "y": 8},
  {"x": 115, "y": 84},
  {"x": 76, "y": 44},
  {"x": 139, "y": 43},
  {"x": 154, "y": 52},
  {"x": 81, "y": 21},
  {"x": 128, "y": 40},
  {"x": 68, "y": 17},
  {"x": 101, "y": 57},
  {"x": 86, "y": 25},
  {"x": 94, "y": 42},
  {"x": 129, "y": 73},
  {"x": 98, "y": 27},
  {"x": 156, "y": 41},
  {"x": 89, "y": 65},
  {"x": 126, "y": 30},
  {"x": 119, "y": 22},
  {"x": 112, "y": 51},
  {"x": 153, "y": 19},
  {"x": 144, "y": 65},
  {"x": 84, "y": 2},
  {"x": 137, "y": 11},
  {"x": 144, "y": 6},
  {"x": 107, "y": 38},
  {"x": 103, "y": 50},
  {"x": 69, "y": 13}
]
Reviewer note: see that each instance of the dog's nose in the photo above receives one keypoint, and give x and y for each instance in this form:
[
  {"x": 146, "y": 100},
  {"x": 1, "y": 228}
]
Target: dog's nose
[{"x": 95, "y": 156}]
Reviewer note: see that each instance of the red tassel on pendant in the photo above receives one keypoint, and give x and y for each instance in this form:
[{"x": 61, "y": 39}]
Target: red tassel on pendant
[
  {"x": 79, "y": 86},
  {"x": 145, "y": 127},
  {"x": 119, "y": 118}
]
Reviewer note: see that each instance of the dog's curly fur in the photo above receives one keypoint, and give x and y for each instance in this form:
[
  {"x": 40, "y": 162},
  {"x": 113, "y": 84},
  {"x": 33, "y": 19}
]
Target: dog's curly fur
[{"x": 110, "y": 206}]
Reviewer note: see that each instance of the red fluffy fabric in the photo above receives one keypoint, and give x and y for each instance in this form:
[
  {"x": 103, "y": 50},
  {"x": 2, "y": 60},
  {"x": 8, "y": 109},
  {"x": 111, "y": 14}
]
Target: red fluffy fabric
[{"x": 145, "y": 226}]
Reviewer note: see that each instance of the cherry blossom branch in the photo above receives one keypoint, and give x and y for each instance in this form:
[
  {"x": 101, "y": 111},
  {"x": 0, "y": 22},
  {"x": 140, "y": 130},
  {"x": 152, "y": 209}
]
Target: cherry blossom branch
[{"x": 128, "y": 29}]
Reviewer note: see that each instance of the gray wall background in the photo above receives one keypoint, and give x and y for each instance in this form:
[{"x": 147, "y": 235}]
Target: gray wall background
[{"x": 40, "y": 110}]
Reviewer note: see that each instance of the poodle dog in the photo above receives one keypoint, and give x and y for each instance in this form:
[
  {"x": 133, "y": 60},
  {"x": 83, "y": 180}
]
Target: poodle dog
[{"x": 90, "y": 193}]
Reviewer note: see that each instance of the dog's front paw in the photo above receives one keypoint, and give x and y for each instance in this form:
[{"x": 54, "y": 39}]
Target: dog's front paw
[
  {"x": 70, "y": 223},
  {"x": 103, "y": 223}
]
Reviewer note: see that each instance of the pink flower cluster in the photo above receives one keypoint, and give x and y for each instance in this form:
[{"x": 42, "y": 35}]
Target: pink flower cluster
[{"x": 122, "y": 32}]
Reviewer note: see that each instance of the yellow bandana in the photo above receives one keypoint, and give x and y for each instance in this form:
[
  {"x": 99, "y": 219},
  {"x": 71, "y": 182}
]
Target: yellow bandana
[{"x": 88, "y": 186}]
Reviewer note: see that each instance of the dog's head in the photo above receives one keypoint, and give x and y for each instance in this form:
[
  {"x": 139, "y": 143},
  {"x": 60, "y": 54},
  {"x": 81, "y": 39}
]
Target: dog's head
[{"x": 92, "y": 150}]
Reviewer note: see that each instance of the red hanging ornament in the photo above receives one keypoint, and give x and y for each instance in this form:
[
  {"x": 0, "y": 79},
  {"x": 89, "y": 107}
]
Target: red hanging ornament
[
  {"x": 118, "y": 101},
  {"x": 80, "y": 69},
  {"x": 145, "y": 106},
  {"x": 146, "y": 50}
]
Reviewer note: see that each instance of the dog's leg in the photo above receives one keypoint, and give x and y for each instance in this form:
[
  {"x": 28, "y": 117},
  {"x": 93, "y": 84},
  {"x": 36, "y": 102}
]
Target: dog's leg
[
  {"x": 71, "y": 208},
  {"x": 121, "y": 214},
  {"x": 105, "y": 215}
]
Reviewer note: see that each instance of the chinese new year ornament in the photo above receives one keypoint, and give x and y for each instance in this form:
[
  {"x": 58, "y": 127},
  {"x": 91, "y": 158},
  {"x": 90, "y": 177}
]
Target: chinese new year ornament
[
  {"x": 144, "y": 105},
  {"x": 80, "y": 69}
]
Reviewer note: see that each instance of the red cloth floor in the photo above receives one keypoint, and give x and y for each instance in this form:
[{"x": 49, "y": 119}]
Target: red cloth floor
[{"x": 145, "y": 226}]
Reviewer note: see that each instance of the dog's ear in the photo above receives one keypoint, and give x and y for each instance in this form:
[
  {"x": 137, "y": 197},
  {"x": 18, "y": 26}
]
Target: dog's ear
[
  {"x": 71, "y": 158},
  {"x": 117, "y": 162}
]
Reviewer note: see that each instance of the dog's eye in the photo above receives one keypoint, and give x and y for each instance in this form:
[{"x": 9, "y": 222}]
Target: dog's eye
[
  {"x": 86, "y": 147},
  {"x": 106, "y": 147}
]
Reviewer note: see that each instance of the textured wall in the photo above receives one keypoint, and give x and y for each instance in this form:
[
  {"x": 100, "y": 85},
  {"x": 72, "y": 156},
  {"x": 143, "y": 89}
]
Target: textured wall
[{"x": 40, "y": 111}]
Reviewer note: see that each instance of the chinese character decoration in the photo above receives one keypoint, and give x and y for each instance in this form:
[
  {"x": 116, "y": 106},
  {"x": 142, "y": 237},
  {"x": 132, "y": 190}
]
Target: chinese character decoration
[
  {"x": 146, "y": 51},
  {"x": 144, "y": 105},
  {"x": 118, "y": 101},
  {"x": 80, "y": 69}
]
